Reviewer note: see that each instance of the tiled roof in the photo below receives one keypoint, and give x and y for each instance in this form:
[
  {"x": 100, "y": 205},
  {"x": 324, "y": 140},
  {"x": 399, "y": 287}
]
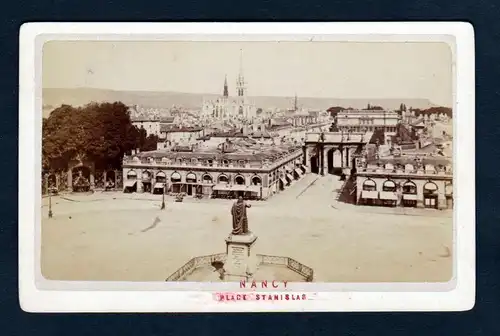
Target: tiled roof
[
  {"x": 241, "y": 152},
  {"x": 403, "y": 160},
  {"x": 167, "y": 120},
  {"x": 180, "y": 129},
  {"x": 165, "y": 128}
]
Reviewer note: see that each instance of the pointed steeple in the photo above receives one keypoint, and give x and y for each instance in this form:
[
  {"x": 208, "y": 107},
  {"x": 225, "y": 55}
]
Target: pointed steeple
[
  {"x": 226, "y": 91},
  {"x": 295, "y": 107},
  {"x": 240, "y": 83}
]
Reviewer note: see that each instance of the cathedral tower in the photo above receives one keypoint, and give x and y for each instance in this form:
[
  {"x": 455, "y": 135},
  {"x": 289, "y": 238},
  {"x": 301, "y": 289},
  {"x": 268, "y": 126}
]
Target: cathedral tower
[
  {"x": 226, "y": 91},
  {"x": 240, "y": 82}
]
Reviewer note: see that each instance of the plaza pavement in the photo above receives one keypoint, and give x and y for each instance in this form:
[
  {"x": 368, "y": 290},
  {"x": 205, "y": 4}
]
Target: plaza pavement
[{"x": 116, "y": 236}]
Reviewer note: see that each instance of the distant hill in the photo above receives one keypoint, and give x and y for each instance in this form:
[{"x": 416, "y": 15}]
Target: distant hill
[{"x": 54, "y": 97}]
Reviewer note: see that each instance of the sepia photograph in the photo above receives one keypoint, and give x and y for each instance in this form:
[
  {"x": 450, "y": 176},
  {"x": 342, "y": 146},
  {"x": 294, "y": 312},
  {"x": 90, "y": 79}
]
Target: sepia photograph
[{"x": 262, "y": 164}]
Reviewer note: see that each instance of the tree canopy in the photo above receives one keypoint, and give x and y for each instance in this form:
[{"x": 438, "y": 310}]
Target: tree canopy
[{"x": 102, "y": 133}]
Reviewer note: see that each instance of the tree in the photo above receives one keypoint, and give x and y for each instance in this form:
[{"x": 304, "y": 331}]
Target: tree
[
  {"x": 143, "y": 141},
  {"x": 101, "y": 133},
  {"x": 334, "y": 110}
]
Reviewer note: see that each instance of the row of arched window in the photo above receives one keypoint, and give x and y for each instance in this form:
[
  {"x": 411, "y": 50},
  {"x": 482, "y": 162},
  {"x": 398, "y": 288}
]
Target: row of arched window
[
  {"x": 408, "y": 187},
  {"x": 176, "y": 177}
]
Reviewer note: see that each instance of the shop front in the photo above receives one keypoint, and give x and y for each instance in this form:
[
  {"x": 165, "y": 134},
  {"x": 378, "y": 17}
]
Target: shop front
[
  {"x": 191, "y": 186},
  {"x": 130, "y": 184},
  {"x": 175, "y": 183},
  {"x": 207, "y": 185},
  {"x": 369, "y": 193},
  {"x": 430, "y": 195},
  {"x": 160, "y": 183},
  {"x": 409, "y": 194},
  {"x": 388, "y": 195},
  {"x": 146, "y": 181}
]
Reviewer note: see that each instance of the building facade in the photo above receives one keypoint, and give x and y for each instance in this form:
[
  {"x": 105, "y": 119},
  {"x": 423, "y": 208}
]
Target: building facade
[
  {"x": 150, "y": 125},
  {"x": 180, "y": 136},
  {"x": 427, "y": 183},
  {"x": 254, "y": 171},
  {"x": 368, "y": 120}
]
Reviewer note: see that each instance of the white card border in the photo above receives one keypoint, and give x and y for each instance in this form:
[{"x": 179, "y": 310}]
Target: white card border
[{"x": 460, "y": 296}]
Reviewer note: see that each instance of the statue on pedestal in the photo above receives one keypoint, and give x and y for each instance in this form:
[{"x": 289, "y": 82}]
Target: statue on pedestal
[{"x": 240, "y": 219}]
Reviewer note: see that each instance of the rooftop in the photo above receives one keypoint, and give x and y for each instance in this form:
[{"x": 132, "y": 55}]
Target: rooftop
[
  {"x": 403, "y": 160},
  {"x": 240, "y": 134},
  {"x": 169, "y": 129},
  {"x": 337, "y": 137},
  {"x": 367, "y": 112},
  {"x": 167, "y": 120},
  {"x": 238, "y": 149}
]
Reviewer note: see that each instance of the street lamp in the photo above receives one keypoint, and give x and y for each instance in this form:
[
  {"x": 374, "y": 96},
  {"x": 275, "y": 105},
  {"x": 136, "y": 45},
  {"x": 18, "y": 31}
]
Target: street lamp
[
  {"x": 163, "y": 197},
  {"x": 50, "y": 195},
  {"x": 50, "y": 204}
]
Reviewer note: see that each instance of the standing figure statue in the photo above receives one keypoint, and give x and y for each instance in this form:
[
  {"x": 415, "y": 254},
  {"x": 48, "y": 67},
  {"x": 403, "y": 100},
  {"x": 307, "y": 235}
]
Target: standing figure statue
[{"x": 240, "y": 220}]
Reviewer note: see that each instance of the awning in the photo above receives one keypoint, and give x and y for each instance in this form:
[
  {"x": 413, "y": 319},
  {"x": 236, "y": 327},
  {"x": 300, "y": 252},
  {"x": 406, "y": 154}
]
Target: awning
[
  {"x": 369, "y": 194},
  {"x": 190, "y": 176},
  {"x": 388, "y": 195},
  {"x": 159, "y": 185},
  {"x": 288, "y": 169},
  {"x": 304, "y": 167},
  {"x": 254, "y": 188},
  {"x": 282, "y": 180},
  {"x": 239, "y": 187},
  {"x": 221, "y": 187},
  {"x": 130, "y": 183},
  {"x": 289, "y": 176},
  {"x": 389, "y": 184},
  {"x": 410, "y": 197},
  {"x": 298, "y": 171},
  {"x": 430, "y": 187},
  {"x": 175, "y": 176},
  {"x": 369, "y": 182}
]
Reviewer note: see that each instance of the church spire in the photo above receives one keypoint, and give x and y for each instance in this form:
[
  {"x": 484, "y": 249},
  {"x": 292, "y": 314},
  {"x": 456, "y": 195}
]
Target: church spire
[
  {"x": 226, "y": 92},
  {"x": 240, "y": 83}
]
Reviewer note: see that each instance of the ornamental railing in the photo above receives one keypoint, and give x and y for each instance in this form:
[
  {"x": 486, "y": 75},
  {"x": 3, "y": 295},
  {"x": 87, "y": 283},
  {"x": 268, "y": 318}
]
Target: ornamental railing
[
  {"x": 194, "y": 263},
  {"x": 290, "y": 263},
  {"x": 263, "y": 259}
]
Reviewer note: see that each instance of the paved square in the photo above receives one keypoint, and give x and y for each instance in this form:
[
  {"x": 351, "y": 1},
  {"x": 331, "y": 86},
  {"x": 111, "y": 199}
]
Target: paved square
[{"x": 121, "y": 237}]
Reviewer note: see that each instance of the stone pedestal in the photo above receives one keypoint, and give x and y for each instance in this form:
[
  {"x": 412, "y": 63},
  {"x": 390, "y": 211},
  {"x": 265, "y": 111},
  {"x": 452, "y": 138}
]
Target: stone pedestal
[{"x": 241, "y": 261}]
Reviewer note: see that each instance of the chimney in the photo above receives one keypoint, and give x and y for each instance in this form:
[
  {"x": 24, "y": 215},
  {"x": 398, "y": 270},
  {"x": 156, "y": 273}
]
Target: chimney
[
  {"x": 138, "y": 150},
  {"x": 245, "y": 130},
  {"x": 133, "y": 151}
]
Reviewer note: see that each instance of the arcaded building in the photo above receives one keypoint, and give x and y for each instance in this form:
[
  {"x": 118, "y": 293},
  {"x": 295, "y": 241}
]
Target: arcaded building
[
  {"x": 423, "y": 182},
  {"x": 237, "y": 167}
]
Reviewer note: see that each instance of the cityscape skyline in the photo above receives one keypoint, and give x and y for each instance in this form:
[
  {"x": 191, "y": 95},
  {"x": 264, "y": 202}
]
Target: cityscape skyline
[{"x": 411, "y": 70}]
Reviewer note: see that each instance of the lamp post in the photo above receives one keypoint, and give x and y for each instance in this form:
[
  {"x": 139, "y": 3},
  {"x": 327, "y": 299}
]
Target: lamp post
[
  {"x": 163, "y": 197},
  {"x": 50, "y": 196},
  {"x": 50, "y": 204}
]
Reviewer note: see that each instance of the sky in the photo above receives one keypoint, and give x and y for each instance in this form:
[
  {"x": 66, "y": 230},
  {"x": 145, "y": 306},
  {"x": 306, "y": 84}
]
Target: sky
[{"x": 309, "y": 69}]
